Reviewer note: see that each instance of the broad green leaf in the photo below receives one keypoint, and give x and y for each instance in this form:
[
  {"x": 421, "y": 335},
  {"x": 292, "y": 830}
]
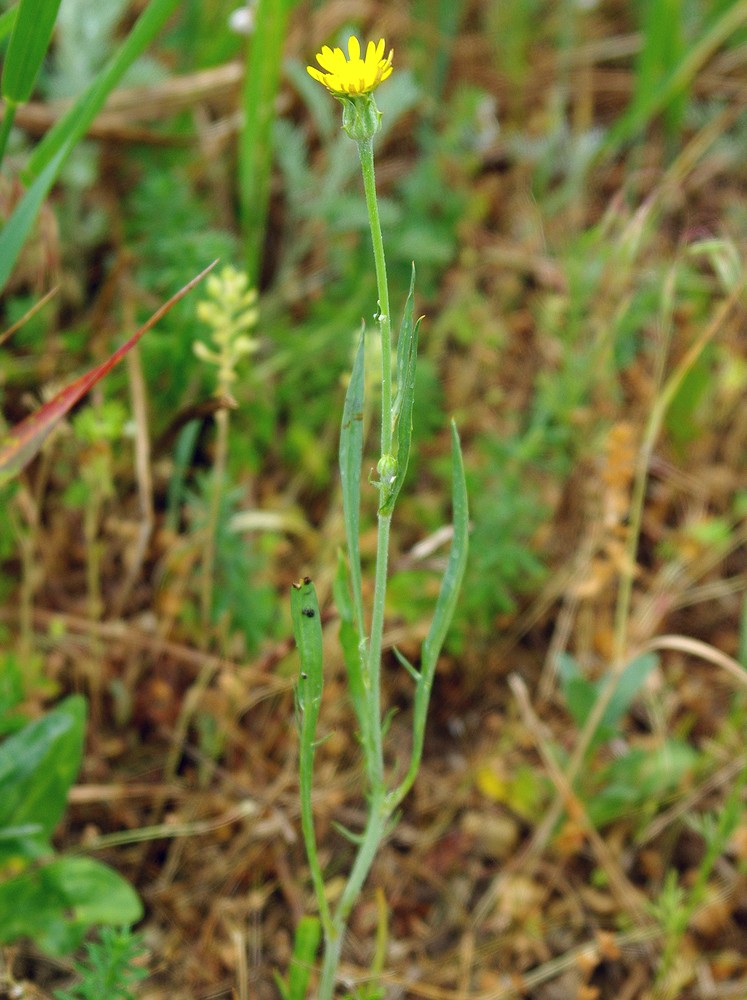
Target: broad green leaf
[
  {"x": 55, "y": 904},
  {"x": 27, "y": 47},
  {"x": 95, "y": 892},
  {"x": 581, "y": 694},
  {"x": 20, "y": 845},
  {"x": 39, "y": 764},
  {"x": 23, "y": 442},
  {"x": 639, "y": 779},
  {"x": 34, "y": 908}
]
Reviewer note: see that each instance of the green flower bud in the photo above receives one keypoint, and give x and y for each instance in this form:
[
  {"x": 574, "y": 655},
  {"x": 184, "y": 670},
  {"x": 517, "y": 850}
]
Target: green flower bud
[
  {"x": 361, "y": 119},
  {"x": 387, "y": 469}
]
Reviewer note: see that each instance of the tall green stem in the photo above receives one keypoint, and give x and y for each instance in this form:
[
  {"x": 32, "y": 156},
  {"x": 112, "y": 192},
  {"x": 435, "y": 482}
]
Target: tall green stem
[
  {"x": 379, "y": 811},
  {"x": 365, "y": 150},
  {"x": 374, "y": 649},
  {"x": 378, "y": 817}
]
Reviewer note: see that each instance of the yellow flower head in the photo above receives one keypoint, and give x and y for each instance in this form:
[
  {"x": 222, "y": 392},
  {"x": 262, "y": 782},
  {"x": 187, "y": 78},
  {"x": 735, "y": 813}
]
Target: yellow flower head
[{"x": 351, "y": 75}]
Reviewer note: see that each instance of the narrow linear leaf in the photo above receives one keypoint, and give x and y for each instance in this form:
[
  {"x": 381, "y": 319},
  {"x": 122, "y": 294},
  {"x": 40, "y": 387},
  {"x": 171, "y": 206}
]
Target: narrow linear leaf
[
  {"x": 677, "y": 80},
  {"x": 255, "y": 143},
  {"x": 407, "y": 357},
  {"x": 280, "y": 983},
  {"x": 351, "y": 457},
  {"x": 47, "y": 159},
  {"x": 74, "y": 124},
  {"x": 452, "y": 580},
  {"x": 18, "y": 226},
  {"x": 307, "y": 629},
  {"x": 354, "y": 838},
  {"x": 7, "y": 20},
  {"x": 27, "y": 47},
  {"x": 305, "y": 946},
  {"x": 403, "y": 344},
  {"x": 349, "y": 641},
  {"x": 444, "y": 612},
  {"x": 406, "y": 664},
  {"x": 37, "y": 307},
  {"x": 24, "y": 441}
]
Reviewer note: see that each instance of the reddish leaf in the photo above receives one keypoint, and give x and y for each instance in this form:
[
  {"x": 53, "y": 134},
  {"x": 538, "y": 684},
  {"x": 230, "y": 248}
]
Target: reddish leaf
[{"x": 24, "y": 441}]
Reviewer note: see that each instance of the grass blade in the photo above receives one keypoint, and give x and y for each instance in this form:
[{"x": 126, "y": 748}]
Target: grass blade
[
  {"x": 18, "y": 226},
  {"x": 7, "y": 20},
  {"x": 308, "y": 935},
  {"x": 25, "y": 440},
  {"x": 255, "y": 145},
  {"x": 678, "y": 79},
  {"x": 663, "y": 48},
  {"x": 27, "y": 47},
  {"x": 75, "y": 123},
  {"x": 49, "y": 156}
]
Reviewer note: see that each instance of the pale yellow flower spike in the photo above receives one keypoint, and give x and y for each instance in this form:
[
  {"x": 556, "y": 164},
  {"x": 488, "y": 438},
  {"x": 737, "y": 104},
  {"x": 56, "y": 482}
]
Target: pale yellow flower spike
[{"x": 351, "y": 75}]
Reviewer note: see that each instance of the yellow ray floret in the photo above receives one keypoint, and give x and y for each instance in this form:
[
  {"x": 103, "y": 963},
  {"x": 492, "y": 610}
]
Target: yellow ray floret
[{"x": 350, "y": 74}]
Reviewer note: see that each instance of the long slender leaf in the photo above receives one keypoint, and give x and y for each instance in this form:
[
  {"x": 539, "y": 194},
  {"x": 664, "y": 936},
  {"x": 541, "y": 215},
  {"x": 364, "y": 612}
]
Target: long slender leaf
[
  {"x": 404, "y": 347},
  {"x": 307, "y": 629},
  {"x": 27, "y": 47},
  {"x": 24, "y": 441},
  {"x": 677, "y": 80},
  {"x": 350, "y": 643},
  {"x": 255, "y": 144},
  {"x": 74, "y": 124},
  {"x": 662, "y": 50},
  {"x": 7, "y": 20},
  {"x": 18, "y": 226},
  {"x": 308, "y": 935},
  {"x": 407, "y": 357},
  {"x": 49, "y": 156},
  {"x": 445, "y": 606},
  {"x": 351, "y": 457},
  {"x": 452, "y": 580}
]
